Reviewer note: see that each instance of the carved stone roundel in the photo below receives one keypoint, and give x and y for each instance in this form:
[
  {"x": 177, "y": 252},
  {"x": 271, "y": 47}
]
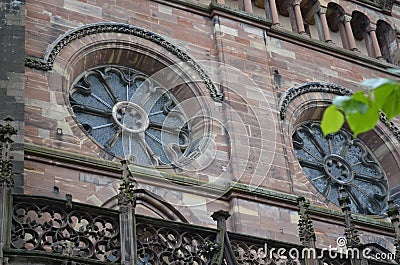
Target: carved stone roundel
[{"x": 341, "y": 161}]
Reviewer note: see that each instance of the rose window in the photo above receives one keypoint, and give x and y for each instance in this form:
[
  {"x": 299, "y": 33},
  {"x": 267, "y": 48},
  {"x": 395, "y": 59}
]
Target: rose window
[
  {"x": 129, "y": 115},
  {"x": 341, "y": 161}
]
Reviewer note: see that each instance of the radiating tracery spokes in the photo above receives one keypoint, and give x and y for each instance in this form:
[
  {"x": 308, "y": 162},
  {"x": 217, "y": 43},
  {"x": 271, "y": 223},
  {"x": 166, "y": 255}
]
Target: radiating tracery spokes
[
  {"x": 340, "y": 161},
  {"x": 112, "y": 102}
]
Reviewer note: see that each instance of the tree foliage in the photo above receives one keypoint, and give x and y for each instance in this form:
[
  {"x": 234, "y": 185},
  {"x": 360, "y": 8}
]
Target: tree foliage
[{"x": 361, "y": 110}]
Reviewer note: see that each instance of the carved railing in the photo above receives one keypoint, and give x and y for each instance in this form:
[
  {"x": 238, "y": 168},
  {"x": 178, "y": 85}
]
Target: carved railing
[
  {"x": 73, "y": 233},
  {"x": 252, "y": 251},
  {"x": 175, "y": 244},
  {"x": 66, "y": 231}
]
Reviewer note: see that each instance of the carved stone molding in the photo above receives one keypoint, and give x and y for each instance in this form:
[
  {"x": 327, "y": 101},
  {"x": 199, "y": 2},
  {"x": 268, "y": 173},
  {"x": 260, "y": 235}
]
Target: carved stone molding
[
  {"x": 322, "y": 87},
  {"x": 6, "y": 167},
  {"x": 64, "y": 40},
  {"x": 310, "y": 87}
]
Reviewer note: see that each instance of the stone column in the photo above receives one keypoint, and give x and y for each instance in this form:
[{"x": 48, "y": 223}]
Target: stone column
[
  {"x": 6, "y": 183},
  {"x": 371, "y": 29},
  {"x": 299, "y": 18},
  {"x": 223, "y": 237},
  {"x": 248, "y": 6},
  {"x": 324, "y": 24},
  {"x": 349, "y": 33},
  {"x": 343, "y": 35},
  {"x": 274, "y": 12},
  {"x": 127, "y": 204}
]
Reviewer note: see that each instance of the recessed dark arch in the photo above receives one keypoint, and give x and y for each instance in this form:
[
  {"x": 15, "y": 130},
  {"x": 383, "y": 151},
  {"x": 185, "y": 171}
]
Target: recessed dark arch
[
  {"x": 334, "y": 14},
  {"x": 359, "y": 23}
]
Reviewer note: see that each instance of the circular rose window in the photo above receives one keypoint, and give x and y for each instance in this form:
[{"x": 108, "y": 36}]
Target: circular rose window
[
  {"x": 129, "y": 115},
  {"x": 341, "y": 161}
]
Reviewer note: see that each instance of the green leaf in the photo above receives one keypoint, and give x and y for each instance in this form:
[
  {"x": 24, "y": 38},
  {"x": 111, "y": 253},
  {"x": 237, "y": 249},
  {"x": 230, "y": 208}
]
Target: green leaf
[
  {"x": 363, "y": 122},
  {"x": 382, "y": 93},
  {"x": 357, "y": 103},
  {"x": 377, "y": 82},
  {"x": 332, "y": 120},
  {"x": 387, "y": 98}
]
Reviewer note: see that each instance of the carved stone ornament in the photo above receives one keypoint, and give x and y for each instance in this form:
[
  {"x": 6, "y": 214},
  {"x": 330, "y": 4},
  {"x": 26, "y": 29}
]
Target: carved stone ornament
[
  {"x": 310, "y": 87},
  {"x": 69, "y": 233},
  {"x": 321, "y": 87},
  {"x": 53, "y": 50},
  {"x": 306, "y": 228},
  {"x": 161, "y": 245},
  {"x": 6, "y": 166}
]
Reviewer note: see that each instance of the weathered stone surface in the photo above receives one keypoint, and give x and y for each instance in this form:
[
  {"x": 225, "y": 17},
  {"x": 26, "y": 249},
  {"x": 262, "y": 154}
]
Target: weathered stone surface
[
  {"x": 12, "y": 39},
  {"x": 254, "y": 145}
]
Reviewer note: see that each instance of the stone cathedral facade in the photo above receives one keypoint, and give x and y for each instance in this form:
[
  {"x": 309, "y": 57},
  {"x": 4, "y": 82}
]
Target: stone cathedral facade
[{"x": 188, "y": 132}]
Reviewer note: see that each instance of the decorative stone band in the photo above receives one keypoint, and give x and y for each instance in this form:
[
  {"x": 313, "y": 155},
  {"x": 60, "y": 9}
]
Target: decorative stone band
[
  {"x": 311, "y": 87},
  {"x": 54, "y": 49}
]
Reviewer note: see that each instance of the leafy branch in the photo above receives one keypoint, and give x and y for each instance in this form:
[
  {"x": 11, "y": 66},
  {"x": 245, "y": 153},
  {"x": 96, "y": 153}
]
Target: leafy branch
[{"x": 361, "y": 110}]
